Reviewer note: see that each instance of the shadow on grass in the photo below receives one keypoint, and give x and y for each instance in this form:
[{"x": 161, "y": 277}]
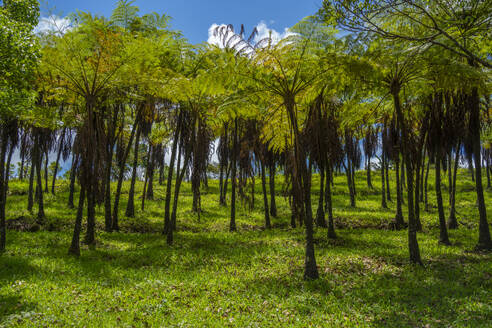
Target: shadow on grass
[{"x": 11, "y": 305}]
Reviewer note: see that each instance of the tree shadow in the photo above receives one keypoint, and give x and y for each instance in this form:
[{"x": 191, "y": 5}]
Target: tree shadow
[{"x": 11, "y": 305}]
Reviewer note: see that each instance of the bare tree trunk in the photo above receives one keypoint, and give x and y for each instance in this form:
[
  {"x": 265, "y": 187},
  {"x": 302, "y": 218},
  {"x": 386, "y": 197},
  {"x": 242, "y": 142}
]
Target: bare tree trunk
[
  {"x": 90, "y": 237},
  {"x": 75, "y": 245},
  {"x": 488, "y": 172},
  {"x": 443, "y": 231},
  {"x": 413, "y": 245},
  {"x": 130, "y": 206},
  {"x": 320, "y": 213},
  {"x": 57, "y": 161},
  {"x": 426, "y": 198},
  {"x": 179, "y": 179},
  {"x": 232, "y": 224},
  {"x": 7, "y": 171},
  {"x": 329, "y": 204},
  {"x": 37, "y": 159},
  {"x": 386, "y": 173},
  {"x": 368, "y": 172},
  {"x": 146, "y": 179},
  {"x": 265, "y": 197},
  {"x": 417, "y": 195},
  {"x": 484, "y": 241},
  {"x": 226, "y": 181},
  {"x": 151, "y": 169},
  {"x": 168, "y": 229},
  {"x": 273, "y": 204},
  {"x": 399, "y": 222},
  {"x": 350, "y": 183},
  {"x": 452, "y": 221},
  {"x": 121, "y": 174},
  {"x": 221, "y": 183},
  {"x": 383, "y": 192},
  {"x": 402, "y": 181},
  {"x": 30, "y": 197},
  {"x": 108, "y": 224},
  {"x": 23, "y": 155}
]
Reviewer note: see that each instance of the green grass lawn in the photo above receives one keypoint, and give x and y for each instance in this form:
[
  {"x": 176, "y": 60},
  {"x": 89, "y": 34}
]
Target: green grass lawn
[{"x": 252, "y": 278}]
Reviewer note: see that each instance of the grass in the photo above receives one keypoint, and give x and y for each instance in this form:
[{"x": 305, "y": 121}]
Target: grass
[{"x": 252, "y": 278}]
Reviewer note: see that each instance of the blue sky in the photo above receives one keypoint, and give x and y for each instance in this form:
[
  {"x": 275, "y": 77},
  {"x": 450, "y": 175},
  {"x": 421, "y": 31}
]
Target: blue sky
[{"x": 194, "y": 17}]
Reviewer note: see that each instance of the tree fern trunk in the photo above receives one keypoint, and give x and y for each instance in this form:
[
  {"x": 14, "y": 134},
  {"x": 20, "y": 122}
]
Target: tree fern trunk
[{"x": 130, "y": 206}]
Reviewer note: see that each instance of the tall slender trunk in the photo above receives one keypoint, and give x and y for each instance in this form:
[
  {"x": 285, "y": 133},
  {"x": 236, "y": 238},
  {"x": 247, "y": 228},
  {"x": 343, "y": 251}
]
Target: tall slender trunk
[
  {"x": 90, "y": 236},
  {"x": 386, "y": 173},
  {"x": 221, "y": 182},
  {"x": 226, "y": 182},
  {"x": 422, "y": 175},
  {"x": 75, "y": 245},
  {"x": 150, "y": 183},
  {"x": 417, "y": 194},
  {"x": 320, "y": 213},
  {"x": 23, "y": 155},
  {"x": 328, "y": 202},
  {"x": 350, "y": 182},
  {"x": 426, "y": 198},
  {"x": 57, "y": 161},
  {"x": 108, "y": 224},
  {"x": 161, "y": 174},
  {"x": 368, "y": 172},
  {"x": 146, "y": 179},
  {"x": 399, "y": 221},
  {"x": 402, "y": 181},
  {"x": 383, "y": 193},
  {"x": 484, "y": 241},
  {"x": 7, "y": 170},
  {"x": 352, "y": 171},
  {"x": 448, "y": 171},
  {"x": 307, "y": 191},
  {"x": 443, "y": 231},
  {"x": 471, "y": 168},
  {"x": 271, "y": 180},
  {"x": 130, "y": 206},
  {"x": 300, "y": 173},
  {"x": 413, "y": 245},
  {"x": 121, "y": 174},
  {"x": 73, "y": 175},
  {"x": 168, "y": 229},
  {"x": 37, "y": 159},
  {"x": 488, "y": 168},
  {"x": 452, "y": 220},
  {"x": 46, "y": 171},
  {"x": 30, "y": 198},
  {"x": 179, "y": 179},
  {"x": 265, "y": 196},
  {"x": 232, "y": 224}
]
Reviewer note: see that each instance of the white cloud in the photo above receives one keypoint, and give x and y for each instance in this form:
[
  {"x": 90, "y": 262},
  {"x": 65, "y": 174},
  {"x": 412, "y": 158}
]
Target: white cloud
[
  {"x": 214, "y": 39},
  {"x": 263, "y": 32},
  {"x": 54, "y": 24}
]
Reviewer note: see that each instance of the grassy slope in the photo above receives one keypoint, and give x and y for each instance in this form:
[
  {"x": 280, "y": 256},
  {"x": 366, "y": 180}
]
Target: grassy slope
[{"x": 211, "y": 277}]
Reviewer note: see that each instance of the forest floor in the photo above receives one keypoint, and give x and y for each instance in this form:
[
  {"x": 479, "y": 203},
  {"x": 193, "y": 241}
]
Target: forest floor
[{"x": 251, "y": 278}]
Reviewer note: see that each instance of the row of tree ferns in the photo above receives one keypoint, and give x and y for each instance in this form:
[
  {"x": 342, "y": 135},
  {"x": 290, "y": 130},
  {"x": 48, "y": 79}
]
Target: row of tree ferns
[{"x": 403, "y": 85}]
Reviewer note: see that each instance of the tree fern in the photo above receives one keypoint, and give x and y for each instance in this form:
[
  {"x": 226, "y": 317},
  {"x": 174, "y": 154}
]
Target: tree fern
[{"x": 124, "y": 13}]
